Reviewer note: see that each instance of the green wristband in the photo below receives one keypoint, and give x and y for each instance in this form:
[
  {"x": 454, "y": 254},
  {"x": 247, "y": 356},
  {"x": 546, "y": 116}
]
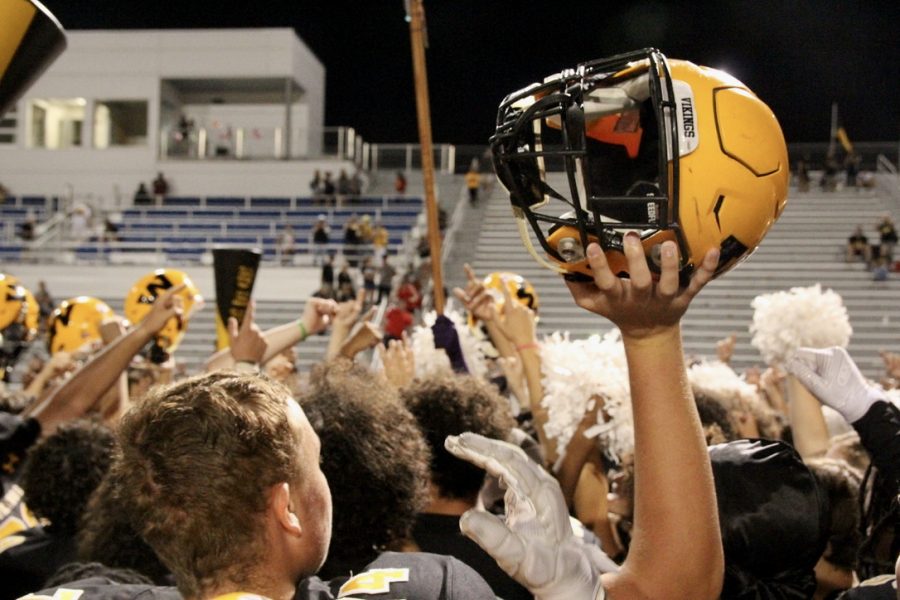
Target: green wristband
[{"x": 303, "y": 331}]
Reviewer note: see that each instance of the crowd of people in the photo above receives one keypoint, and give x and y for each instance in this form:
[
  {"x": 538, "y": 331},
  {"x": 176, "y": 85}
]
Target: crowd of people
[
  {"x": 404, "y": 477},
  {"x": 878, "y": 256}
]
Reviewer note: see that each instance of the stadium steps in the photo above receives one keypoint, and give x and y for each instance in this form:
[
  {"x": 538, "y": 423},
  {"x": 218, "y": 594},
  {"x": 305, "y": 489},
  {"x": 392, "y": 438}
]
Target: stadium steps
[{"x": 806, "y": 246}]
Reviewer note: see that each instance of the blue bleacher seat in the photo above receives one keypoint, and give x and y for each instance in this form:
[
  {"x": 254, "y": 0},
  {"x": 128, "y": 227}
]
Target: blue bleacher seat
[
  {"x": 166, "y": 213},
  {"x": 33, "y": 201},
  {"x": 181, "y": 201},
  {"x": 132, "y": 213},
  {"x": 234, "y": 240},
  {"x": 182, "y": 239},
  {"x": 260, "y": 214},
  {"x": 261, "y": 227},
  {"x": 212, "y": 213},
  {"x": 12, "y": 211},
  {"x": 270, "y": 202},
  {"x": 10, "y": 251},
  {"x": 225, "y": 201},
  {"x": 210, "y": 227},
  {"x": 150, "y": 226}
]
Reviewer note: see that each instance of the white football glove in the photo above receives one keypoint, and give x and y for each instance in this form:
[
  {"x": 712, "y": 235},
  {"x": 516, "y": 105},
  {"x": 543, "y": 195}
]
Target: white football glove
[
  {"x": 535, "y": 545},
  {"x": 832, "y": 377}
]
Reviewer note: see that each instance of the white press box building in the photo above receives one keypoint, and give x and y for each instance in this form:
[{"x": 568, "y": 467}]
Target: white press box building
[{"x": 234, "y": 112}]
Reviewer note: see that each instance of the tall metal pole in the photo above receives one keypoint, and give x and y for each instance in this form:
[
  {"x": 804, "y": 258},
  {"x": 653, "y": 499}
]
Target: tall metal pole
[{"x": 417, "y": 37}]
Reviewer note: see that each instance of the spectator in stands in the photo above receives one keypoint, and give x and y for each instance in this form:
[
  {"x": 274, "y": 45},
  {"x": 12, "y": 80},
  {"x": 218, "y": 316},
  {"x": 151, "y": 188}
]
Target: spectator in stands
[
  {"x": 328, "y": 270},
  {"x": 60, "y": 474},
  {"x": 44, "y": 299},
  {"x": 851, "y": 167},
  {"x": 380, "y": 238},
  {"x": 352, "y": 240},
  {"x": 346, "y": 292},
  {"x": 321, "y": 236},
  {"x": 356, "y": 183},
  {"x": 451, "y": 405},
  {"x": 473, "y": 183},
  {"x": 369, "y": 274},
  {"x": 4, "y": 193},
  {"x": 110, "y": 230},
  {"x": 343, "y": 184},
  {"x": 397, "y": 320},
  {"x": 385, "y": 279},
  {"x": 829, "y": 174},
  {"x": 287, "y": 245},
  {"x": 409, "y": 294},
  {"x": 803, "y": 174},
  {"x": 80, "y": 221},
  {"x": 28, "y": 227},
  {"x": 328, "y": 188},
  {"x": 160, "y": 188},
  {"x": 400, "y": 183},
  {"x": 858, "y": 246},
  {"x": 315, "y": 187},
  {"x": 142, "y": 196},
  {"x": 888, "y": 235}
]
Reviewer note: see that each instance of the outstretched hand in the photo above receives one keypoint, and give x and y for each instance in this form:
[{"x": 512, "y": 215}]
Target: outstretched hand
[
  {"x": 476, "y": 297},
  {"x": 639, "y": 306},
  {"x": 832, "y": 377},
  {"x": 168, "y": 305},
  {"x": 246, "y": 342},
  {"x": 535, "y": 544}
]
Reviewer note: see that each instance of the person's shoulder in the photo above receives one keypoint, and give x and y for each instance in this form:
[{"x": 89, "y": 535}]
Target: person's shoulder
[
  {"x": 883, "y": 587},
  {"x": 102, "y": 588},
  {"x": 416, "y": 575}
]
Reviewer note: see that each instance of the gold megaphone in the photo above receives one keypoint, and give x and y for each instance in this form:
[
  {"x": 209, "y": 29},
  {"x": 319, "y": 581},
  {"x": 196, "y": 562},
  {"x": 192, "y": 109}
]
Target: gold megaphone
[{"x": 30, "y": 39}]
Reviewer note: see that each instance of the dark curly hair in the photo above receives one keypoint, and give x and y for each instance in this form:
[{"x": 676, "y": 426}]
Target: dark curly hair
[
  {"x": 374, "y": 458},
  {"x": 107, "y": 536},
  {"x": 63, "y": 470},
  {"x": 841, "y": 482},
  {"x": 717, "y": 425},
  {"x": 449, "y": 405}
]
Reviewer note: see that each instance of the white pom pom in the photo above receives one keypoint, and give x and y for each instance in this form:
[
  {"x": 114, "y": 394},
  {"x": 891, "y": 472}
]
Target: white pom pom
[
  {"x": 719, "y": 382},
  {"x": 803, "y": 316},
  {"x": 431, "y": 361},
  {"x": 574, "y": 373}
]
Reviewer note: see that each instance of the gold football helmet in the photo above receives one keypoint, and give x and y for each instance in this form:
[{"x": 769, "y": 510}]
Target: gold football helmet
[
  {"x": 13, "y": 301},
  {"x": 666, "y": 148},
  {"x": 145, "y": 292},
  {"x": 76, "y": 323},
  {"x": 519, "y": 289}
]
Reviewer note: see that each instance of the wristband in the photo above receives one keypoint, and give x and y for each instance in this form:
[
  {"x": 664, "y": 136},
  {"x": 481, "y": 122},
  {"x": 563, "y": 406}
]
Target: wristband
[
  {"x": 247, "y": 367},
  {"x": 528, "y": 346},
  {"x": 304, "y": 333}
]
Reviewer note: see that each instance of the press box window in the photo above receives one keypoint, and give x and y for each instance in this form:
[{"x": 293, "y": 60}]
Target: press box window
[
  {"x": 120, "y": 123},
  {"x": 56, "y": 123}
]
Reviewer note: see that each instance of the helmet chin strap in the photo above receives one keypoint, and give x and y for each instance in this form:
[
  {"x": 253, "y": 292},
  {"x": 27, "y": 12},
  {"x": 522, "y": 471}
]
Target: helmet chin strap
[{"x": 526, "y": 241}]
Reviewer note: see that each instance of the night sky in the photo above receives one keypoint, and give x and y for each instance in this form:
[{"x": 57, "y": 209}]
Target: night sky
[{"x": 797, "y": 55}]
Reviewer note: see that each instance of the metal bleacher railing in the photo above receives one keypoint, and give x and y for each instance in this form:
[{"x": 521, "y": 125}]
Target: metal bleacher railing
[{"x": 185, "y": 229}]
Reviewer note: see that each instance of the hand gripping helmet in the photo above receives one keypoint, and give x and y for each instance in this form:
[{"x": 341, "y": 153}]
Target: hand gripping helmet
[
  {"x": 519, "y": 289},
  {"x": 666, "y": 148},
  {"x": 145, "y": 292},
  {"x": 76, "y": 323}
]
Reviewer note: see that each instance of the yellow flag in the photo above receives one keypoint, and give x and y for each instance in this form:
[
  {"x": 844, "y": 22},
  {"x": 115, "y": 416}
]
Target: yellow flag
[{"x": 844, "y": 140}]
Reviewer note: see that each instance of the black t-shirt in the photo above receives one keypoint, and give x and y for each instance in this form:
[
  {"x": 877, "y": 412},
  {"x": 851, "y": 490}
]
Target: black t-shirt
[
  {"x": 403, "y": 575},
  {"x": 392, "y": 576},
  {"x": 879, "y": 588},
  {"x": 440, "y": 534},
  {"x": 102, "y": 588},
  {"x": 28, "y": 558}
]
